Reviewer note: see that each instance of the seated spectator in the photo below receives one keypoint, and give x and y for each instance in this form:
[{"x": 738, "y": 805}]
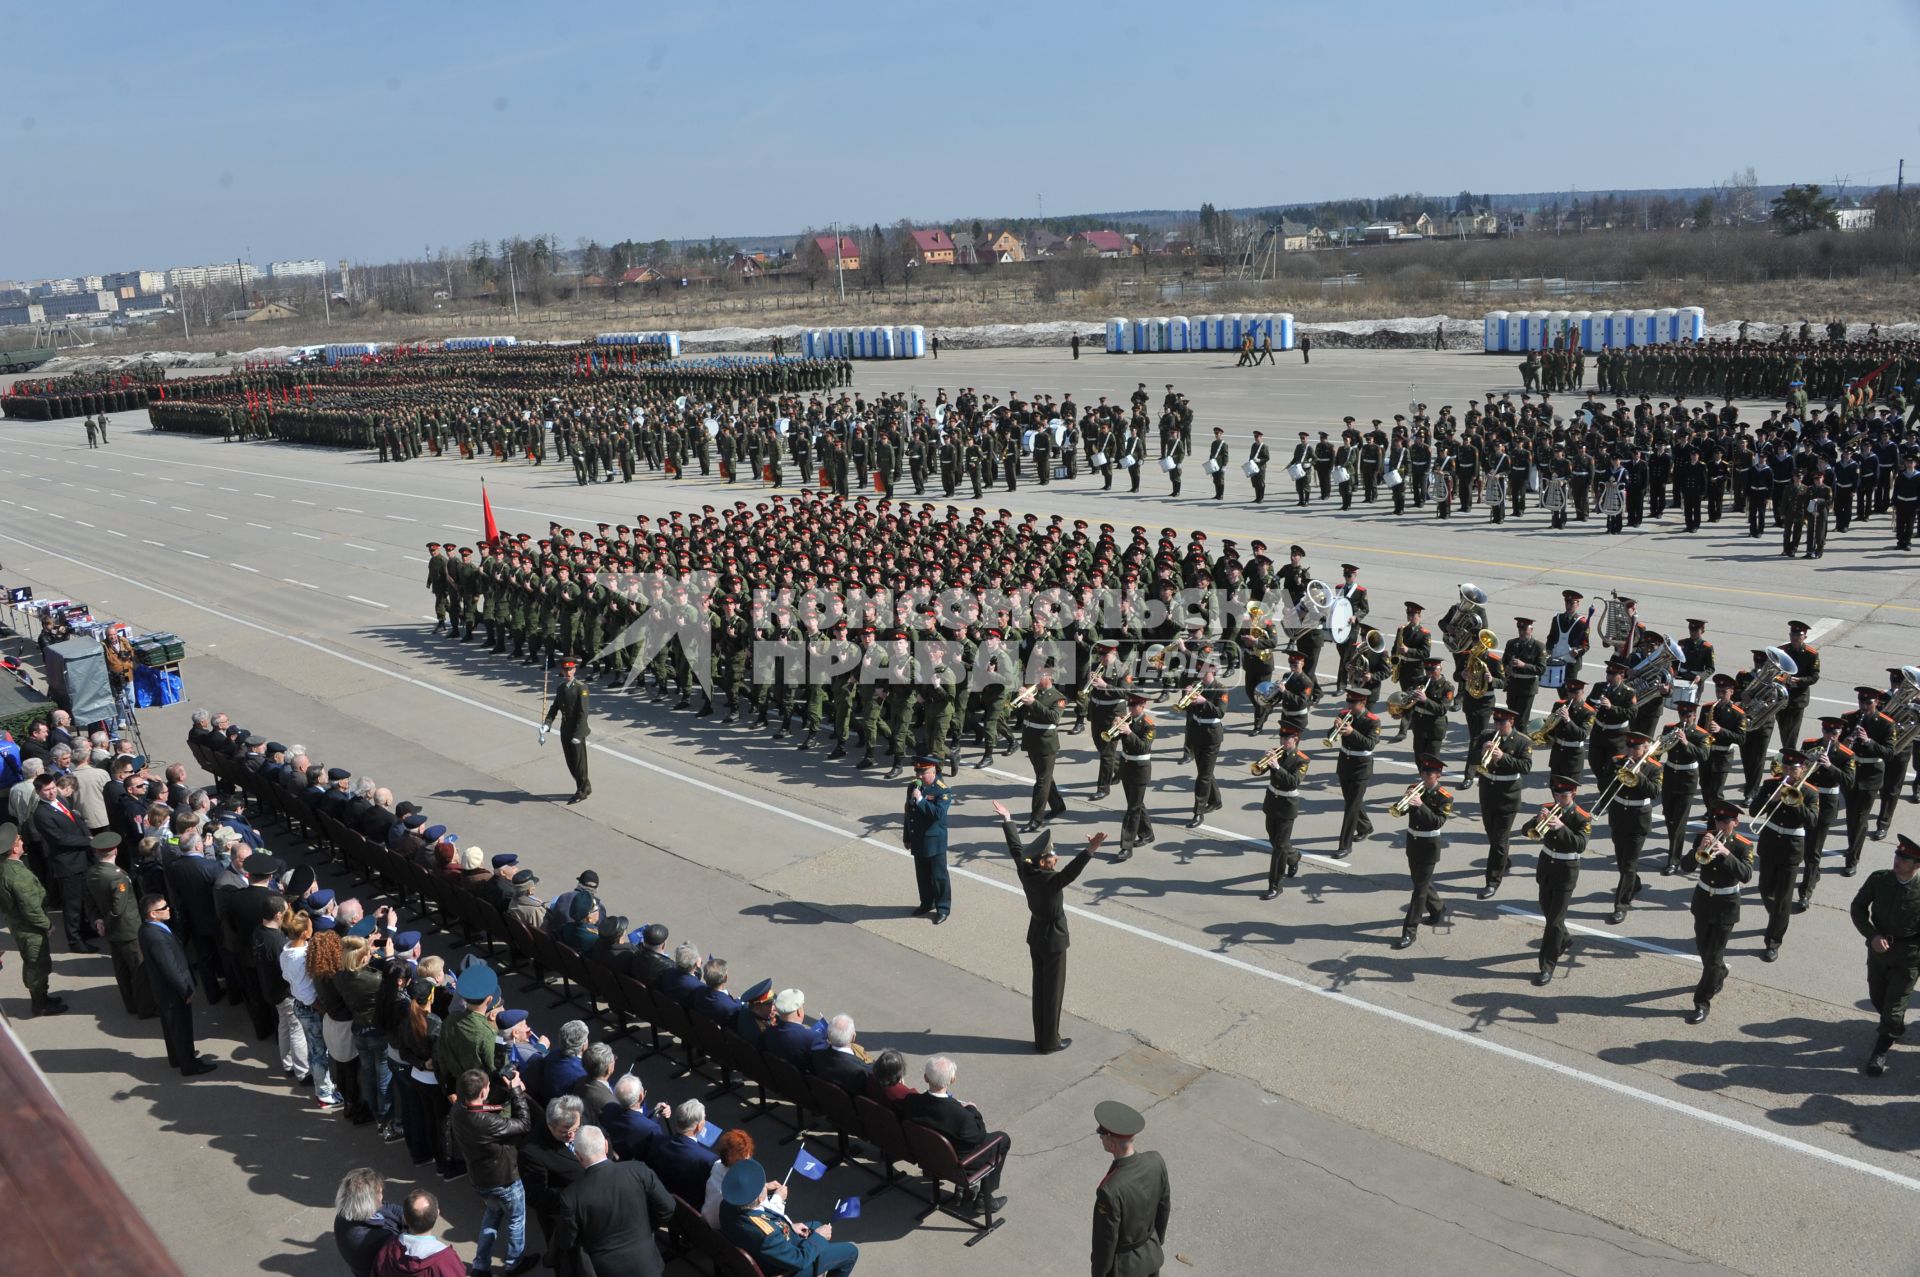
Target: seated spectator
[
  {"x": 525, "y": 907},
  {"x": 683, "y": 981},
  {"x": 377, "y": 819},
  {"x": 524, "y": 1046},
  {"x": 338, "y": 794},
  {"x": 838, "y": 1060},
  {"x": 713, "y": 1002},
  {"x": 651, "y": 960},
  {"x": 889, "y": 1084},
  {"x": 363, "y": 1223},
  {"x": 734, "y": 1147},
  {"x": 416, "y": 1252},
  {"x": 581, "y": 898},
  {"x": 789, "y": 1038},
  {"x": 360, "y": 804},
  {"x": 612, "y": 948},
  {"x": 475, "y": 873},
  {"x": 547, "y": 1164},
  {"x": 937, "y": 1110},
  {"x": 562, "y": 1069},
  {"x": 596, "y": 1088},
  {"x": 580, "y": 931},
  {"x": 755, "y": 1015},
  {"x": 766, "y": 1236},
  {"x": 681, "y": 1161},
  {"x": 632, "y": 1127},
  {"x": 498, "y": 890}
]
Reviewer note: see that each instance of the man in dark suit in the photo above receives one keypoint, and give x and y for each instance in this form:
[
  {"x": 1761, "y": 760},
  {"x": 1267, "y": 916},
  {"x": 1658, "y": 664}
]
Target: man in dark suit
[
  {"x": 66, "y": 846},
  {"x": 633, "y": 1126},
  {"x": 713, "y": 1002},
  {"x": 788, "y": 1037},
  {"x": 165, "y": 964},
  {"x": 651, "y": 960},
  {"x": 683, "y": 981},
  {"x": 1045, "y": 884},
  {"x": 937, "y": 1110},
  {"x": 681, "y": 1161},
  {"x": 190, "y": 878},
  {"x": 547, "y": 1163},
  {"x": 838, "y": 1061},
  {"x": 607, "y": 1218}
]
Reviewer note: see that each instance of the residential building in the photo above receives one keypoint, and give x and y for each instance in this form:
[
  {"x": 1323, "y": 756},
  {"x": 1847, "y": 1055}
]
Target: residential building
[
  {"x": 1851, "y": 217},
  {"x": 1003, "y": 247},
  {"x": 22, "y": 313},
  {"x": 1421, "y": 226},
  {"x": 932, "y": 248},
  {"x": 80, "y": 304},
  {"x": 212, "y": 276},
  {"x": 1106, "y": 243},
  {"x": 140, "y": 281},
  {"x": 845, "y": 254},
  {"x": 306, "y": 268},
  {"x": 260, "y": 314},
  {"x": 965, "y": 251},
  {"x": 1042, "y": 243}
]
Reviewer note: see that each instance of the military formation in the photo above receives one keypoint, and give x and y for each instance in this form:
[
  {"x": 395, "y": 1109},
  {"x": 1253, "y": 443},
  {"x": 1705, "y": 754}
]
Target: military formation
[
  {"x": 82, "y": 393},
  {"x": 1720, "y": 368}
]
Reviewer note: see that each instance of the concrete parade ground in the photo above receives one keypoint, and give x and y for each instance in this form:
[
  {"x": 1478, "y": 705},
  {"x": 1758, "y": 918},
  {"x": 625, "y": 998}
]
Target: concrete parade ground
[{"x": 1325, "y": 1103}]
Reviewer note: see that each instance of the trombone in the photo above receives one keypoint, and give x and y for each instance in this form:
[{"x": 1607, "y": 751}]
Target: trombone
[
  {"x": 1790, "y": 794},
  {"x": 1404, "y": 803}
]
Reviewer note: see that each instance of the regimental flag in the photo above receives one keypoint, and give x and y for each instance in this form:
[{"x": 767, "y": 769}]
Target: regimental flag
[{"x": 491, "y": 529}]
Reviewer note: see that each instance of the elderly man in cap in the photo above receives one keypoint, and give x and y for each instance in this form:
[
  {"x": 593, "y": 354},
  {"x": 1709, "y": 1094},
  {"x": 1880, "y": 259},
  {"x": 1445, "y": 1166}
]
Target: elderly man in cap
[
  {"x": 1133, "y": 1201},
  {"x": 1045, "y": 883},
  {"x": 775, "y": 1243},
  {"x": 1886, "y": 913},
  {"x": 23, "y": 908}
]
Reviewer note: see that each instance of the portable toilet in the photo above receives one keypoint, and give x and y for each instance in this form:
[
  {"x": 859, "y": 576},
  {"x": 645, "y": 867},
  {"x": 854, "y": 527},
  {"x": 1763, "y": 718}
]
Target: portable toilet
[
  {"x": 882, "y": 343},
  {"x": 1201, "y": 336},
  {"x": 1283, "y": 339},
  {"x": 1117, "y": 334},
  {"x": 1619, "y": 329},
  {"x": 1666, "y": 321},
  {"x": 1179, "y": 334},
  {"x": 1645, "y": 330},
  {"x": 1493, "y": 331},
  {"x": 913, "y": 341},
  {"x": 1580, "y": 329},
  {"x": 1157, "y": 333},
  {"x": 1692, "y": 324},
  {"x": 1557, "y": 322}
]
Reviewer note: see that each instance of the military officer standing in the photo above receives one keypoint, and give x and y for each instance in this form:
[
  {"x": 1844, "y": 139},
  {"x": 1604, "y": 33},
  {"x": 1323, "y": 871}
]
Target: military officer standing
[
  {"x": 116, "y": 913},
  {"x": 1132, "y": 1205},
  {"x": 1726, "y": 861},
  {"x": 928, "y": 801},
  {"x": 1045, "y": 883},
  {"x": 570, "y": 706},
  {"x": 1522, "y": 663},
  {"x": 1136, "y": 732},
  {"x": 1429, "y": 806},
  {"x": 1886, "y": 911},
  {"x": 1206, "y": 728},
  {"x": 1357, "y": 734},
  {"x": 23, "y": 908}
]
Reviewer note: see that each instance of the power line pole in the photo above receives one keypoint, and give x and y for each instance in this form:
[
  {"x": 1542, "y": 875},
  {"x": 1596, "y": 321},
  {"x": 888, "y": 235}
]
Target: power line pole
[
  {"x": 837, "y": 268},
  {"x": 513, "y": 283}
]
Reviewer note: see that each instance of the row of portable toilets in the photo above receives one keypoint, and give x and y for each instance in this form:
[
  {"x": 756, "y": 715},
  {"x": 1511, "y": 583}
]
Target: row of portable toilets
[
  {"x": 1179, "y": 334},
  {"x": 906, "y": 341},
  {"x": 670, "y": 340},
  {"x": 334, "y": 352},
  {"x": 478, "y": 343},
  {"x": 1522, "y": 330}
]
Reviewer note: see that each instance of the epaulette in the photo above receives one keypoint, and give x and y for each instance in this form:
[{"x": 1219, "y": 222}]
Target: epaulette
[
  {"x": 1445, "y": 793},
  {"x": 1425, "y": 630},
  {"x": 1583, "y": 812},
  {"x": 1884, "y": 715},
  {"x": 1810, "y": 649},
  {"x": 1372, "y": 717}
]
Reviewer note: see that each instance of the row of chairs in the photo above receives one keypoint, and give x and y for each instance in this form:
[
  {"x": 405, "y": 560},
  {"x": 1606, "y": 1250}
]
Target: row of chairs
[{"x": 660, "y": 1026}]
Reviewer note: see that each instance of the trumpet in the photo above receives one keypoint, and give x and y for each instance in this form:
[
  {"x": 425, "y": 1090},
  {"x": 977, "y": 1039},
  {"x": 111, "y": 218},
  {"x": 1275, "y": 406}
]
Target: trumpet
[
  {"x": 1404, "y": 803},
  {"x": 1542, "y": 734},
  {"x": 1266, "y": 760},
  {"x": 1188, "y": 697},
  {"x": 1487, "y": 756},
  {"x": 1025, "y": 696},
  {"x": 1340, "y": 721},
  {"x": 1547, "y": 820},
  {"x": 1121, "y": 727},
  {"x": 1709, "y": 844}
]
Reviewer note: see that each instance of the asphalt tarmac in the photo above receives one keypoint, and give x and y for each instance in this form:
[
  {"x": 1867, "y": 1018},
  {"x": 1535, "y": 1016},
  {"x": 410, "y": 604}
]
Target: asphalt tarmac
[{"x": 1376, "y": 1109}]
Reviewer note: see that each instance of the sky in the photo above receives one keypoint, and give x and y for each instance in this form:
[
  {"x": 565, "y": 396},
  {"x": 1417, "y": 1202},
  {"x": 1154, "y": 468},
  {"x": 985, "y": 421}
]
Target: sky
[{"x": 187, "y": 133}]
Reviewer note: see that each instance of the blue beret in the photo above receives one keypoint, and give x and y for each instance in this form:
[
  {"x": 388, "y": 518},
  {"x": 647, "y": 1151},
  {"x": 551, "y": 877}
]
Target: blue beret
[
  {"x": 504, "y": 859},
  {"x": 478, "y": 983},
  {"x": 325, "y": 922},
  {"x": 744, "y": 1183},
  {"x": 321, "y": 898},
  {"x": 339, "y": 773},
  {"x": 507, "y": 1019},
  {"x": 436, "y": 832},
  {"x": 363, "y": 928},
  {"x": 404, "y": 940},
  {"x": 414, "y": 821}
]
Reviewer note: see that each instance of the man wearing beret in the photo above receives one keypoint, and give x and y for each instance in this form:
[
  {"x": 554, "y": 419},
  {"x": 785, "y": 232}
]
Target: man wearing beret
[
  {"x": 23, "y": 908},
  {"x": 1131, "y": 1206},
  {"x": 775, "y": 1243}
]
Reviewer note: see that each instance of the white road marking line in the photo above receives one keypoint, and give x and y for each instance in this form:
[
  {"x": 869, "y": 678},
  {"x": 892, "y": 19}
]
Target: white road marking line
[
  {"x": 355, "y": 545},
  {"x": 1633, "y": 942},
  {"x": 369, "y": 602},
  {"x": 1461, "y": 1037},
  {"x": 196, "y": 554},
  {"x": 268, "y": 495},
  {"x": 7, "y": 500},
  {"x": 54, "y": 514},
  {"x": 244, "y": 568},
  {"x": 290, "y": 581},
  {"x": 223, "y": 518},
  {"x": 1822, "y": 626},
  {"x": 263, "y": 527},
  {"x": 161, "y": 544},
  {"x": 35, "y": 509},
  {"x": 298, "y": 501},
  {"x": 95, "y": 491},
  {"x": 115, "y": 533},
  {"x": 452, "y": 527},
  {"x": 347, "y": 509},
  {"x": 182, "y": 509},
  {"x": 413, "y": 558},
  {"x": 193, "y": 483},
  {"x": 308, "y": 535},
  {"x": 83, "y": 523},
  {"x": 91, "y": 466},
  {"x": 400, "y": 518},
  {"x": 225, "y": 488},
  {"x": 146, "y": 501}
]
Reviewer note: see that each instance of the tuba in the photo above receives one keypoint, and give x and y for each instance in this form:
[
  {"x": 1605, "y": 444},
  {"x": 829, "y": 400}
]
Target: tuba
[
  {"x": 1310, "y": 613},
  {"x": 1477, "y": 678},
  {"x": 1359, "y": 668},
  {"x": 1644, "y": 678},
  {"x": 1767, "y": 691},
  {"x": 1459, "y": 635}
]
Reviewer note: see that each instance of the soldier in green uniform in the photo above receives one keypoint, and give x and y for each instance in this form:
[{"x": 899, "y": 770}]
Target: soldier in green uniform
[
  {"x": 23, "y": 908},
  {"x": 1040, "y": 738},
  {"x": 437, "y": 581},
  {"x": 1886, "y": 912},
  {"x": 570, "y": 706},
  {"x": 1132, "y": 1205},
  {"x": 116, "y": 914}
]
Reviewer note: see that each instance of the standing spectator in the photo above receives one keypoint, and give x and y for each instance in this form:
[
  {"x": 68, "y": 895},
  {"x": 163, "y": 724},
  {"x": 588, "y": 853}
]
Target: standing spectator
[
  {"x": 116, "y": 908},
  {"x": 190, "y": 879},
  {"x": 363, "y": 1223},
  {"x": 416, "y": 1252},
  {"x": 269, "y": 938},
  {"x": 489, "y": 1142},
  {"x": 608, "y": 1217},
  {"x": 66, "y": 847},
  {"x": 165, "y": 963},
  {"x": 23, "y": 908},
  {"x": 90, "y": 786},
  {"x": 360, "y": 984},
  {"x": 423, "y": 1102},
  {"x": 304, "y": 997},
  {"x": 466, "y": 1039}
]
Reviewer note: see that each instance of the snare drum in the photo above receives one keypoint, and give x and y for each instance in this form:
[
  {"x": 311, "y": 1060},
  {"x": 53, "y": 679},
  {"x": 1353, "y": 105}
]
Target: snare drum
[
  {"x": 1169, "y": 465},
  {"x": 1250, "y": 469},
  {"x": 1554, "y": 676},
  {"x": 1296, "y": 472},
  {"x": 1340, "y": 475}
]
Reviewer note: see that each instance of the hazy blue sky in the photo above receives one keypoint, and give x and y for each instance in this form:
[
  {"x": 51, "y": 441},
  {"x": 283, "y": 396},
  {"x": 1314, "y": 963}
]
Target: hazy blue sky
[{"x": 161, "y": 135}]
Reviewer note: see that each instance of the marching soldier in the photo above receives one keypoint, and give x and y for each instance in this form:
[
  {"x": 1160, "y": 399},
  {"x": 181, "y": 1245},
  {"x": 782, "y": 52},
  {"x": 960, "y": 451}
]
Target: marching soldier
[
  {"x": 1357, "y": 735},
  {"x": 1829, "y": 771},
  {"x": 570, "y": 706},
  {"x": 1725, "y": 859},
  {"x": 1522, "y": 663},
  {"x": 1285, "y": 765},
  {"x": 1635, "y": 779},
  {"x": 1206, "y": 727},
  {"x": 1782, "y": 837},
  {"x": 1725, "y": 724},
  {"x": 1429, "y": 806},
  {"x": 1869, "y": 734},
  {"x": 1564, "y": 827},
  {"x": 1040, "y": 738},
  {"x": 1886, "y": 912},
  {"x": 1412, "y": 645},
  {"x": 1218, "y": 457},
  {"x": 1680, "y": 776},
  {"x": 1613, "y": 705},
  {"x": 1806, "y": 661},
  {"x": 1136, "y": 773},
  {"x": 1502, "y": 762},
  {"x": 1258, "y": 457},
  {"x": 1568, "y": 727},
  {"x": 437, "y": 582},
  {"x": 1106, "y": 702},
  {"x": 1427, "y": 713}
]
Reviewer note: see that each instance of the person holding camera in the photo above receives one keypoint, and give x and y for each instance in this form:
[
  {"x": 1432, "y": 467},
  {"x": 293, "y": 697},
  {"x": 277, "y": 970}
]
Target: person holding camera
[{"x": 488, "y": 1137}]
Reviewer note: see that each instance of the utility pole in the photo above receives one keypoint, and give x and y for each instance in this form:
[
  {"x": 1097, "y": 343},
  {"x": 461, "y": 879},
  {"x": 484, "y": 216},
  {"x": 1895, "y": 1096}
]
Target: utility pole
[
  {"x": 837, "y": 270},
  {"x": 513, "y": 284},
  {"x": 326, "y": 300}
]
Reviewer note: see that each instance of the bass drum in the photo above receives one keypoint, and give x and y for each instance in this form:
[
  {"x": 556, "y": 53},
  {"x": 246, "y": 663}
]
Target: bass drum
[{"x": 1340, "y": 621}]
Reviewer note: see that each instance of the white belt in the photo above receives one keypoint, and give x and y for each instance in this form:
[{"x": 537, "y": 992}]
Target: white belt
[
  {"x": 1734, "y": 890},
  {"x": 1724, "y": 749},
  {"x": 1610, "y": 727},
  {"x": 1115, "y": 702},
  {"x": 1208, "y": 722},
  {"x": 1503, "y": 779},
  {"x": 1782, "y": 830},
  {"x": 1039, "y": 727},
  {"x": 1683, "y": 767},
  {"x": 1356, "y": 753},
  {"x": 1284, "y": 793},
  {"x": 1423, "y": 833},
  {"x": 1138, "y": 758},
  {"x": 1560, "y": 855},
  {"x": 1633, "y": 802},
  {"x": 1831, "y": 793}
]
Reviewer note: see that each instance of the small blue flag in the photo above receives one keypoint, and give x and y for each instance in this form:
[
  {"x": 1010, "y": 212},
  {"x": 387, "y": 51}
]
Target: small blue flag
[
  {"x": 710, "y": 1135},
  {"x": 847, "y": 1208},
  {"x": 808, "y": 1165}
]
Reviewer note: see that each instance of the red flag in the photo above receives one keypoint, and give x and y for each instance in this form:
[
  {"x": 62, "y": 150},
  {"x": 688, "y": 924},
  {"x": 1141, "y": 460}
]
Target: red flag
[{"x": 492, "y": 529}]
